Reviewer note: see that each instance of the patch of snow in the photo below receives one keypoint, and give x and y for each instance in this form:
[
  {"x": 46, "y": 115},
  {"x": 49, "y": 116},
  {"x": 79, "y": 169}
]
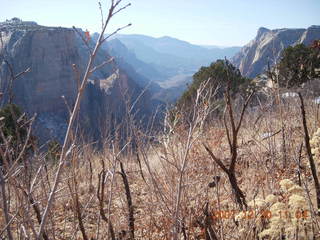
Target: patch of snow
[
  {"x": 289, "y": 95},
  {"x": 266, "y": 135},
  {"x": 317, "y": 100}
]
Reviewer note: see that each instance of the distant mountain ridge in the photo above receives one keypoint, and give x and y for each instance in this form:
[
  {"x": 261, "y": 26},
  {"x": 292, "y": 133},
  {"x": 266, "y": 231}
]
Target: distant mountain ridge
[
  {"x": 169, "y": 52},
  {"x": 167, "y": 61},
  {"x": 266, "y": 48}
]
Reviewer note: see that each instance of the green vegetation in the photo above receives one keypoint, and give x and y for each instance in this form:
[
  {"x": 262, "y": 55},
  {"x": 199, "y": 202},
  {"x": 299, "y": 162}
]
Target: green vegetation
[
  {"x": 298, "y": 64},
  {"x": 54, "y": 149},
  {"x": 14, "y": 131},
  {"x": 219, "y": 73},
  {"x": 9, "y": 114}
]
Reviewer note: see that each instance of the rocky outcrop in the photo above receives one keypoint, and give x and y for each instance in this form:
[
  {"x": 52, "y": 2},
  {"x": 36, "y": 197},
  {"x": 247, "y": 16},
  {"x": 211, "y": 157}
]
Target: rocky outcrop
[
  {"x": 51, "y": 86},
  {"x": 144, "y": 74},
  {"x": 253, "y": 59}
]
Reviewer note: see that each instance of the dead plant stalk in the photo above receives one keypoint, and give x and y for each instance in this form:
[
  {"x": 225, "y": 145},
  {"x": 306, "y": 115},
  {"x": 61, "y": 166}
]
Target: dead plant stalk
[
  {"x": 199, "y": 114},
  {"x": 232, "y": 137},
  {"x": 66, "y": 146}
]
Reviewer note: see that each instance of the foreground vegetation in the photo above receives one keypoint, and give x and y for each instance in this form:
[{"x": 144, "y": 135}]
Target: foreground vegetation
[
  {"x": 174, "y": 189},
  {"x": 249, "y": 172}
]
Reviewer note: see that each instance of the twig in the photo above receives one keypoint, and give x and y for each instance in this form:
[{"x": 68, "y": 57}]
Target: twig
[
  {"x": 77, "y": 75},
  {"x": 232, "y": 136},
  {"x": 67, "y": 105},
  {"x": 77, "y": 209},
  {"x": 13, "y": 78},
  {"x": 140, "y": 167},
  {"x": 100, "y": 196},
  {"x": 102, "y": 64},
  {"x": 36, "y": 210},
  {"x": 101, "y": 14},
  {"x": 129, "y": 201},
  {"x": 309, "y": 153},
  {"x": 83, "y": 40},
  {"x": 209, "y": 232},
  {"x": 5, "y": 205},
  {"x": 73, "y": 116},
  {"x": 196, "y": 121},
  {"x": 217, "y": 160},
  {"x": 115, "y": 32},
  {"x": 120, "y": 9},
  {"x": 272, "y": 135}
]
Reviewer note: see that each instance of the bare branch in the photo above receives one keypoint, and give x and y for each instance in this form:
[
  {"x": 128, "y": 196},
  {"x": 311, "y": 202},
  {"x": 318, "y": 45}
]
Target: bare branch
[
  {"x": 310, "y": 156},
  {"x": 83, "y": 39},
  {"x": 129, "y": 201},
  {"x": 138, "y": 98},
  {"x": 5, "y": 206},
  {"x": 115, "y": 32},
  {"x": 68, "y": 136},
  {"x": 77, "y": 73},
  {"x": 243, "y": 110},
  {"x": 102, "y": 64},
  {"x": 226, "y": 127},
  {"x": 21, "y": 73},
  {"x": 100, "y": 196},
  {"x": 230, "y": 110},
  {"x": 217, "y": 160},
  {"x": 13, "y": 78},
  {"x": 101, "y": 13},
  {"x": 120, "y": 9},
  {"x": 67, "y": 105}
]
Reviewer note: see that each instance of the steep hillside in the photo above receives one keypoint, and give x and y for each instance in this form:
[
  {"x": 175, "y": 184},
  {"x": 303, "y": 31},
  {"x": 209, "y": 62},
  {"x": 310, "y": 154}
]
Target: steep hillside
[
  {"x": 51, "y": 53},
  {"x": 144, "y": 74},
  {"x": 253, "y": 58},
  {"x": 118, "y": 49}
]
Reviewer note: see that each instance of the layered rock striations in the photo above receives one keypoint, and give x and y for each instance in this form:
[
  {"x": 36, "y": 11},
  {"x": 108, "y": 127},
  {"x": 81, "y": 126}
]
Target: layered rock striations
[
  {"x": 50, "y": 88},
  {"x": 266, "y": 48}
]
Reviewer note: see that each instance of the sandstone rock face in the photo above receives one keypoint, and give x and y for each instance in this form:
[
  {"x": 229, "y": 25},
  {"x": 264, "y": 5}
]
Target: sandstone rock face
[
  {"x": 253, "y": 59},
  {"x": 51, "y": 85}
]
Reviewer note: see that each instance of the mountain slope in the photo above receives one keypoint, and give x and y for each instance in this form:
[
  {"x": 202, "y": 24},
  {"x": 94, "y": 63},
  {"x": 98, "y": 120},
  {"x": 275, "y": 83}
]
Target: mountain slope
[
  {"x": 266, "y": 48},
  {"x": 167, "y": 61},
  {"x": 51, "y": 53},
  {"x": 173, "y": 53},
  {"x": 143, "y": 73},
  {"x": 116, "y": 48}
]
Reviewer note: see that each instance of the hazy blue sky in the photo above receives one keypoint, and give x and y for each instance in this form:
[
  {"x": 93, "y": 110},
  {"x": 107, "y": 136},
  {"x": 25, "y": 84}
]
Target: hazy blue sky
[{"x": 212, "y": 22}]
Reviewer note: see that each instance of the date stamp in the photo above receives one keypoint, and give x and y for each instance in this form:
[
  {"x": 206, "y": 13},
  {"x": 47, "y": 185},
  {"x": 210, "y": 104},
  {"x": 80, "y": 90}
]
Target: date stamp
[{"x": 262, "y": 214}]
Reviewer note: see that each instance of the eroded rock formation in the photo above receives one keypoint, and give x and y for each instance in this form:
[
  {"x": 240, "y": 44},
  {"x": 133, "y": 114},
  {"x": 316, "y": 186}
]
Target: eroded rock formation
[
  {"x": 52, "y": 53},
  {"x": 253, "y": 59}
]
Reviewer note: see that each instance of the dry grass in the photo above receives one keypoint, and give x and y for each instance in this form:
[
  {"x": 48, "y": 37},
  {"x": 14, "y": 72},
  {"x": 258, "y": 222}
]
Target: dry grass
[{"x": 262, "y": 164}]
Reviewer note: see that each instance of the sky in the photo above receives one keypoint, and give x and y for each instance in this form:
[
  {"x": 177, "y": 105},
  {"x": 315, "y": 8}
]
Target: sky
[{"x": 203, "y": 22}]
